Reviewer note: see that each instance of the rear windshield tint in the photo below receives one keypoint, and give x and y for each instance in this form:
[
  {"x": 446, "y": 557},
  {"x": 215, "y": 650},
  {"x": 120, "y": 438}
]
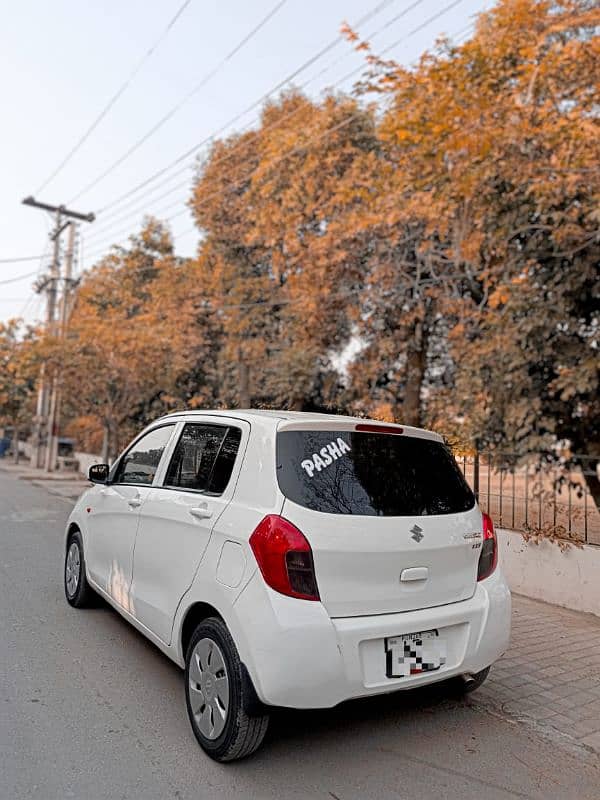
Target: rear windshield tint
[{"x": 373, "y": 474}]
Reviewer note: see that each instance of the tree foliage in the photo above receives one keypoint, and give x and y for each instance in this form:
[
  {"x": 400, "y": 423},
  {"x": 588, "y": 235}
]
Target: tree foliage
[
  {"x": 136, "y": 345},
  {"x": 283, "y": 263},
  {"x": 19, "y": 367}
]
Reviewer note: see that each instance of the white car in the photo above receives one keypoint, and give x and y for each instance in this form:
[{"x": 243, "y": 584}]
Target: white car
[{"x": 291, "y": 559}]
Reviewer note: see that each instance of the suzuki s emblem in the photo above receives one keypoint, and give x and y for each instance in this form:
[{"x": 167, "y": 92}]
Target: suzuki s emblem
[{"x": 417, "y": 533}]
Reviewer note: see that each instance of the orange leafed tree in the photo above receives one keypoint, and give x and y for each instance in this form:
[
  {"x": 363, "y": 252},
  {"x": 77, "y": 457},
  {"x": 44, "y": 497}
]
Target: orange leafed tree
[
  {"x": 493, "y": 151},
  {"x": 284, "y": 263},
  {"x": 133, "y": 341}
]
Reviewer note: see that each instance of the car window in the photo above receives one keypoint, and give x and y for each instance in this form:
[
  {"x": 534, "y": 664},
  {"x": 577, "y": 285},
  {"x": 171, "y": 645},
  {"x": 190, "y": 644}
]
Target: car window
[
  {"x": 224, "y": 462},
  {"x": 140, "y": 462},
  {"x": 203, "y": 458},
  {"x": 373, "y": 474}
]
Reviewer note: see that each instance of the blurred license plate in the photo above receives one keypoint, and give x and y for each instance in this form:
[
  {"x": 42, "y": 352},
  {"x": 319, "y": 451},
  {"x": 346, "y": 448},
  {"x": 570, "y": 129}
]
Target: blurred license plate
[{"x": 414, "y": 653}]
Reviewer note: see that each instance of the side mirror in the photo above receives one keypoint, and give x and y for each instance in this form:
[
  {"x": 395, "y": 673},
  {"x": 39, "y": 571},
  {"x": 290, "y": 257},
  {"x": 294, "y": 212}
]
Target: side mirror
[{"x": 98, "y": 473}]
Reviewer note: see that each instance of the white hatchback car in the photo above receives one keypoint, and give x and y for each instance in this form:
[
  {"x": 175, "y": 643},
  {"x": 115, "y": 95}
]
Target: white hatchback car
[{"x": 291, "y": 559}]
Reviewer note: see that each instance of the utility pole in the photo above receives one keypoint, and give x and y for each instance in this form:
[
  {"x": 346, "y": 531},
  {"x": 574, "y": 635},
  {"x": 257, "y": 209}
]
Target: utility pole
[
  {"x": 63, "y": 317},
  {"x": 43, "y": 435}
]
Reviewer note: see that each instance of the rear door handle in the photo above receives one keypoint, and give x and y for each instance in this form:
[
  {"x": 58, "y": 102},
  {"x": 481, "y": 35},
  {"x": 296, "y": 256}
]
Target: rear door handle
[
  {"x": 201, "y": 512},
  {"x": 135, "y": 502}
]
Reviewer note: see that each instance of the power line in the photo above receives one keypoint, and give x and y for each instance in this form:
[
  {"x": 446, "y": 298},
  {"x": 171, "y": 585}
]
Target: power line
[
  {"x": 114, "y": 98},
  {"x": 273, "y": 162},
  {"x": 174, "y": 109},
  {"x": 275, "y": 124},
  {"x": 185, "y": 168},
  {"x": 33, "y": 295},
  {"x": 25, "y": 306},
  {"x": 20, "y": 278},
  {"x": 380, "y": 6},
  {"x": 348, "y": 75},
  {"x": 420, "y": 27},
  {"x": 17, "y": 260}
]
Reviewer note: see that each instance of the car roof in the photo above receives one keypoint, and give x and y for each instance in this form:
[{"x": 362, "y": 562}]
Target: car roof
[{"x": 303, "y": 418}]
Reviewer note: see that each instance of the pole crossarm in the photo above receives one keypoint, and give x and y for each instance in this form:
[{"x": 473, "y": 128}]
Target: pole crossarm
[{"x": 63, "y": 210}]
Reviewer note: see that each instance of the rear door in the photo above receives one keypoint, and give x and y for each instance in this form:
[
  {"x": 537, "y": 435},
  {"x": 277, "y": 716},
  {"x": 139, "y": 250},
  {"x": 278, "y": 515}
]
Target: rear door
[
  {"x": 389, "y": 517},
  {"x": 178, "y": 516}
]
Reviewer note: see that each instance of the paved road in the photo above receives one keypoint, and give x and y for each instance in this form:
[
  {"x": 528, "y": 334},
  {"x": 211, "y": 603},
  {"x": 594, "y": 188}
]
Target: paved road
[{"x": 91, "y": 710}]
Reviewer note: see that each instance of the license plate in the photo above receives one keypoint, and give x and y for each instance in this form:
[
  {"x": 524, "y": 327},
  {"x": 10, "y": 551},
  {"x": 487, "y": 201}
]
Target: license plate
[{"x": 414, "y": 653}]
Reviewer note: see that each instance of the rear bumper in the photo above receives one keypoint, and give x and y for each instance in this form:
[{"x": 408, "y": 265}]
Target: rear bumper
[{"x": 300, "y": 658}]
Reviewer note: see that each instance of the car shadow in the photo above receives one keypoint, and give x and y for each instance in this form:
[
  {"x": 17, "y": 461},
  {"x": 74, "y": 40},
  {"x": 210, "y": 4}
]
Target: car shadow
[{"x": 290, "y": 724}]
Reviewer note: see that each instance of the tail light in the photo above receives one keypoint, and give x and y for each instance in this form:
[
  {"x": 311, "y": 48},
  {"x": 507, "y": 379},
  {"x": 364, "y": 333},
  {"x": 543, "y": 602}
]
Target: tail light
[
  {"x": 488, "y": 558},
  {"x": 285, "y": 558}
]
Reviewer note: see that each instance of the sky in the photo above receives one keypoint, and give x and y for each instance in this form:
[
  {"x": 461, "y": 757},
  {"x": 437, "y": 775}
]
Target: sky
[{"x": 62, "y": 62}]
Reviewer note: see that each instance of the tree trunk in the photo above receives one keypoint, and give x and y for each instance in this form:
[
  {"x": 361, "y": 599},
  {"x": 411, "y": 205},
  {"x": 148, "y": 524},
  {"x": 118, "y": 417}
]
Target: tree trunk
[
  {"x": 416, "y": 364},
  {"x": 593, "y": 484},
  {"x": 105, "y": 443},
  {"x": 244, "y": 400},
  {"x": 113, "y": 441}
]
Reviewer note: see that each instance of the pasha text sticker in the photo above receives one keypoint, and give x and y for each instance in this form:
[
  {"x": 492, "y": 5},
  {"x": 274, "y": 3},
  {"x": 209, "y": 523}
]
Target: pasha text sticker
[{"x": 326, "y": 456}]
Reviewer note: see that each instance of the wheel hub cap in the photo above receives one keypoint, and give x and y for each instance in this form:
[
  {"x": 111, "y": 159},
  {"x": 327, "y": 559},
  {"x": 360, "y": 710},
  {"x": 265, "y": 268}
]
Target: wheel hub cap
[{"x": 208, "y": 688}]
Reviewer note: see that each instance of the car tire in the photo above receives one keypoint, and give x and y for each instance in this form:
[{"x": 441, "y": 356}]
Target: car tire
[
  {"x": 216, "y": 695},
  {"x": 78, "y": 592},
  {"x": 466, "y": 685}
]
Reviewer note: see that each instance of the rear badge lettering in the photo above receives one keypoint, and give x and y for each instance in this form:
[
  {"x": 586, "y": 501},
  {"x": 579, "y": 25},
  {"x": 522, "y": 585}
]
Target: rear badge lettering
[{"x": 325, "y": 457}]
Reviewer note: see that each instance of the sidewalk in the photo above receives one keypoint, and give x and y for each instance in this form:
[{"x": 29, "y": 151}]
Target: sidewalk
[
  {"x": 63, "y": 484},
  {"x": 550, "y": 675}
]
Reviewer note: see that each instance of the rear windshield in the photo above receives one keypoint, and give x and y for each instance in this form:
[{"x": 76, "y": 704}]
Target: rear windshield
[{"x": 373, "y": 474}]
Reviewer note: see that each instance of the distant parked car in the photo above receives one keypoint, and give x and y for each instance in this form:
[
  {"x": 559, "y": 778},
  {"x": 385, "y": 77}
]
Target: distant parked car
[{"x": 289, "y": 559}]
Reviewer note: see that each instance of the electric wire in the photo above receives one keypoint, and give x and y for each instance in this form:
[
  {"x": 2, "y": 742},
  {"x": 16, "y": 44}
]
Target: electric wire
[
  {"x": 19, "y": 278},
  {"x": 18, "y": 259},
  {"x": 273, "y": 162},
  {"x": 177, "y": 107},
  {"x": 251, "y": 107},
  {"x": 348, "y": 75},
  {"x": 41, "y": 259},
  {"x": 276, "y": 124},
  {"x": 81, "y": 141},
  {"x": 422, "y": 26}
]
